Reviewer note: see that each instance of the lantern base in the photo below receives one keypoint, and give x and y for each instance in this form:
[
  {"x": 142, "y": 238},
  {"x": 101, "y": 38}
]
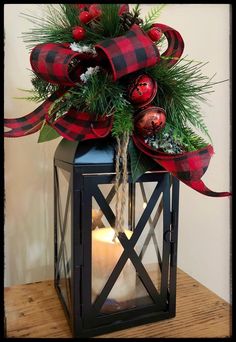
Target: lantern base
[
  {"x": 112, "y": 305},
  {"x": 125, "y": 324}
]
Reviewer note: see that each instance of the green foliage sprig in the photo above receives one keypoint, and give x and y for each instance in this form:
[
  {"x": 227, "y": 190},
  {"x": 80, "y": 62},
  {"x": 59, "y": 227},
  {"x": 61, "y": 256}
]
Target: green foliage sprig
[
  {"x": 100, "y": 96},
  {"x": 181, "y": 88},
  {"x": 56, "y": 27},
  {"x": 59, "y": 21},
  {"x": 151, "y": 17},
  {"x": 41, "y": 90}
]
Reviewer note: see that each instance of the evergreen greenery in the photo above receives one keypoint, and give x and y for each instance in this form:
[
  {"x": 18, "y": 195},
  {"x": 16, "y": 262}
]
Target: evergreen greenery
[
  {"x": 108, "y": 24},
  {"x": 151, "y": 17},
  {"x": 60, "y": 20},
  {"x": 101, "y": 96},
  {"x": 56, "y": 27},
  {"x": 181, "y": 88},
  {"x": 41, "y": 90}
]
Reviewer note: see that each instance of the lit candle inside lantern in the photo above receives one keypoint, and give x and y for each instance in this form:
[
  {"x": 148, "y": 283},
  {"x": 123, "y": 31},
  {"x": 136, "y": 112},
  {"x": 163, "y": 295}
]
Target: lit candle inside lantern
[{"x": 105, "y": 255}]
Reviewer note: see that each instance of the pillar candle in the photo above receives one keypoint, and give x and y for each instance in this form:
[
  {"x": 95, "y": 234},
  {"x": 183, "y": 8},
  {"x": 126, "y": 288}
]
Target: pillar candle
[{"x": 105, "y": 255}]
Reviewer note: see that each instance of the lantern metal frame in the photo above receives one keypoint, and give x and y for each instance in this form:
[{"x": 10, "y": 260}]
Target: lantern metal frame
[{"x": 86, "y": 174}]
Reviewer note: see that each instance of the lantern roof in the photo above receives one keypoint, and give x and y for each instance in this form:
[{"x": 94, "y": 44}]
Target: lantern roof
[{"x": 101, "y": 151}]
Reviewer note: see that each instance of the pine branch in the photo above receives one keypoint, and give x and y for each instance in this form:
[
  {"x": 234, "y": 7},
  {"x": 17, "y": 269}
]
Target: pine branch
[
  {"x": 34, "y": 97},
  {"x": 181, "y": 89},
  {"x": 136, "y": 10},
  {"x": 100, "y": 96},
  {"x": 152, "y": 15},
  {"x": 174, "y": 140},
  {"x": 41, "y": 90},
  {"x": 108, "y": 24},
  {"x": 123, "y": 118},
  {"x": 56, "y": 26}
]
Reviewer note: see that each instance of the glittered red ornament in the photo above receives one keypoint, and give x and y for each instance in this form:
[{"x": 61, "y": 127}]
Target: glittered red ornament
[
  {"x": 85, "y": 17},
  {"x": 154, "y": 34},
  {"x": 149, "y": 121},
  {"x": 142, "y": 90},
  {"x": 78, "y": 33}
]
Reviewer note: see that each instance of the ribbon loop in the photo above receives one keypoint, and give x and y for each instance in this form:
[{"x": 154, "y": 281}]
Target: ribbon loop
[
  {"x": 128, "y": 53},
  {"x": 55, "y": 63},
  {"x": 175, "y": 44}
]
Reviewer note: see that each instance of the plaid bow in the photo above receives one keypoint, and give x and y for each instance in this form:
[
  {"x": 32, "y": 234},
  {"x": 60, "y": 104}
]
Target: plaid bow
[
  {"x": 56, "y": 63},
  {"x": 188, "y": 167},
  {"x": 129, "y": 53}
]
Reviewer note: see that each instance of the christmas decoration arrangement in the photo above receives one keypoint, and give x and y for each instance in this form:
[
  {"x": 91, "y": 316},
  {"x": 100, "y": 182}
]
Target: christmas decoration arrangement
[{"x": 100, "y": 70}]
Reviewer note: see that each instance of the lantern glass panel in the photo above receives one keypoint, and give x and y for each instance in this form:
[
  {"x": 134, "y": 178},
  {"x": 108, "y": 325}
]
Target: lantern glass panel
[
  {"x": 64, "y": 235},
  {"x": 150, "y": 244},
  {"x": 131, "y": 289}
]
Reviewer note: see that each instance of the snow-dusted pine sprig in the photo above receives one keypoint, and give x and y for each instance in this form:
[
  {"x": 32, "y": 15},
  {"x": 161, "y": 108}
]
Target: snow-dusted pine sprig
[
  {"x": 165, "y": 142},
  {"x": 88, "y": 73},
  {"x": 77, "y": 47}
]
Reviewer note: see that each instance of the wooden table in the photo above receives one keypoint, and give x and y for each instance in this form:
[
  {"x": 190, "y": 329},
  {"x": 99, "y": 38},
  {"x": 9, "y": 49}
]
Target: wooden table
[{"x": 33, "y": 310}]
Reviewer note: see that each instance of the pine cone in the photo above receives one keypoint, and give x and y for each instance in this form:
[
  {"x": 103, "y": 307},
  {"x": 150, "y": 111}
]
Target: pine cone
[{"x": 127, "y": 19}]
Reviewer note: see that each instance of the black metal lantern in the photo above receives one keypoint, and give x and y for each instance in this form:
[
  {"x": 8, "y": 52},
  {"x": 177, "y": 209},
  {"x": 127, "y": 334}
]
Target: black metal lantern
[{"x": 107, "y": 285}]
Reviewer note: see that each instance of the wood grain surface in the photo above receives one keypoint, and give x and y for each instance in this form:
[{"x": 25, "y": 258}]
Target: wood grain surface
[{"x": 34, "y": 310}]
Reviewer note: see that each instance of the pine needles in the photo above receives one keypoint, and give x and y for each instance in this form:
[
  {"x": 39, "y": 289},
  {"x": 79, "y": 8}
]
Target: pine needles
[
  {"x": 41, "y": 90},
  {"x": 56, "y": 26},
  {"x": 100, "y": 96},
  {"x": 109, "y": 22},
  {"x": 181, "y": 89},
  {"x": 151, "y": 17}
]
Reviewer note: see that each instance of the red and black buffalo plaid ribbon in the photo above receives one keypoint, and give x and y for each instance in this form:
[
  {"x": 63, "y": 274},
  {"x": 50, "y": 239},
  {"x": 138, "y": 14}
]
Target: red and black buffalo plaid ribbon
[
  {"x": 51, "y": 62},
  {"x": 188, "y": 167},
  {"x": 81, "y": 125},
  {"x": 31, "y": 122},
  {"x": 56, "y": 63},
  {"x": 129, "y": 53},
  {"x": 175, "y": 44}
]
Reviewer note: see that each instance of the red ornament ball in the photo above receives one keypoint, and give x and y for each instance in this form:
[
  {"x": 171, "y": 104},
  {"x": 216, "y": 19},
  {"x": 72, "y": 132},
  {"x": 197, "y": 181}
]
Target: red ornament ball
[
  {"x": 150, "y": 120},
  {"x": 85, "y": 17},
  {"x": 78, "y": 33},
  {"x": 155, "y": 34},
  {"x": 142, "y": 90}
]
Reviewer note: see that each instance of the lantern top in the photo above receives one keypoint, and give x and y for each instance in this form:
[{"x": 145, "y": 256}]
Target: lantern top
[{"x": 86, "y": 152}]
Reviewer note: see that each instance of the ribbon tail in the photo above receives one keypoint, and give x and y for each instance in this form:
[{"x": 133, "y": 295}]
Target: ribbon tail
[
  {"x": 203, "y": 189},
  {"x": 188, "y": 167},
  {"x": 31, "y": 122},
  {"x": 78, "y": 126}
]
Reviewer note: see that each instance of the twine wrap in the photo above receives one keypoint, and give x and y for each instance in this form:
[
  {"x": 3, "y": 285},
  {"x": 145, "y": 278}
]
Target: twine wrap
[{"x": 121, "y": 179}]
